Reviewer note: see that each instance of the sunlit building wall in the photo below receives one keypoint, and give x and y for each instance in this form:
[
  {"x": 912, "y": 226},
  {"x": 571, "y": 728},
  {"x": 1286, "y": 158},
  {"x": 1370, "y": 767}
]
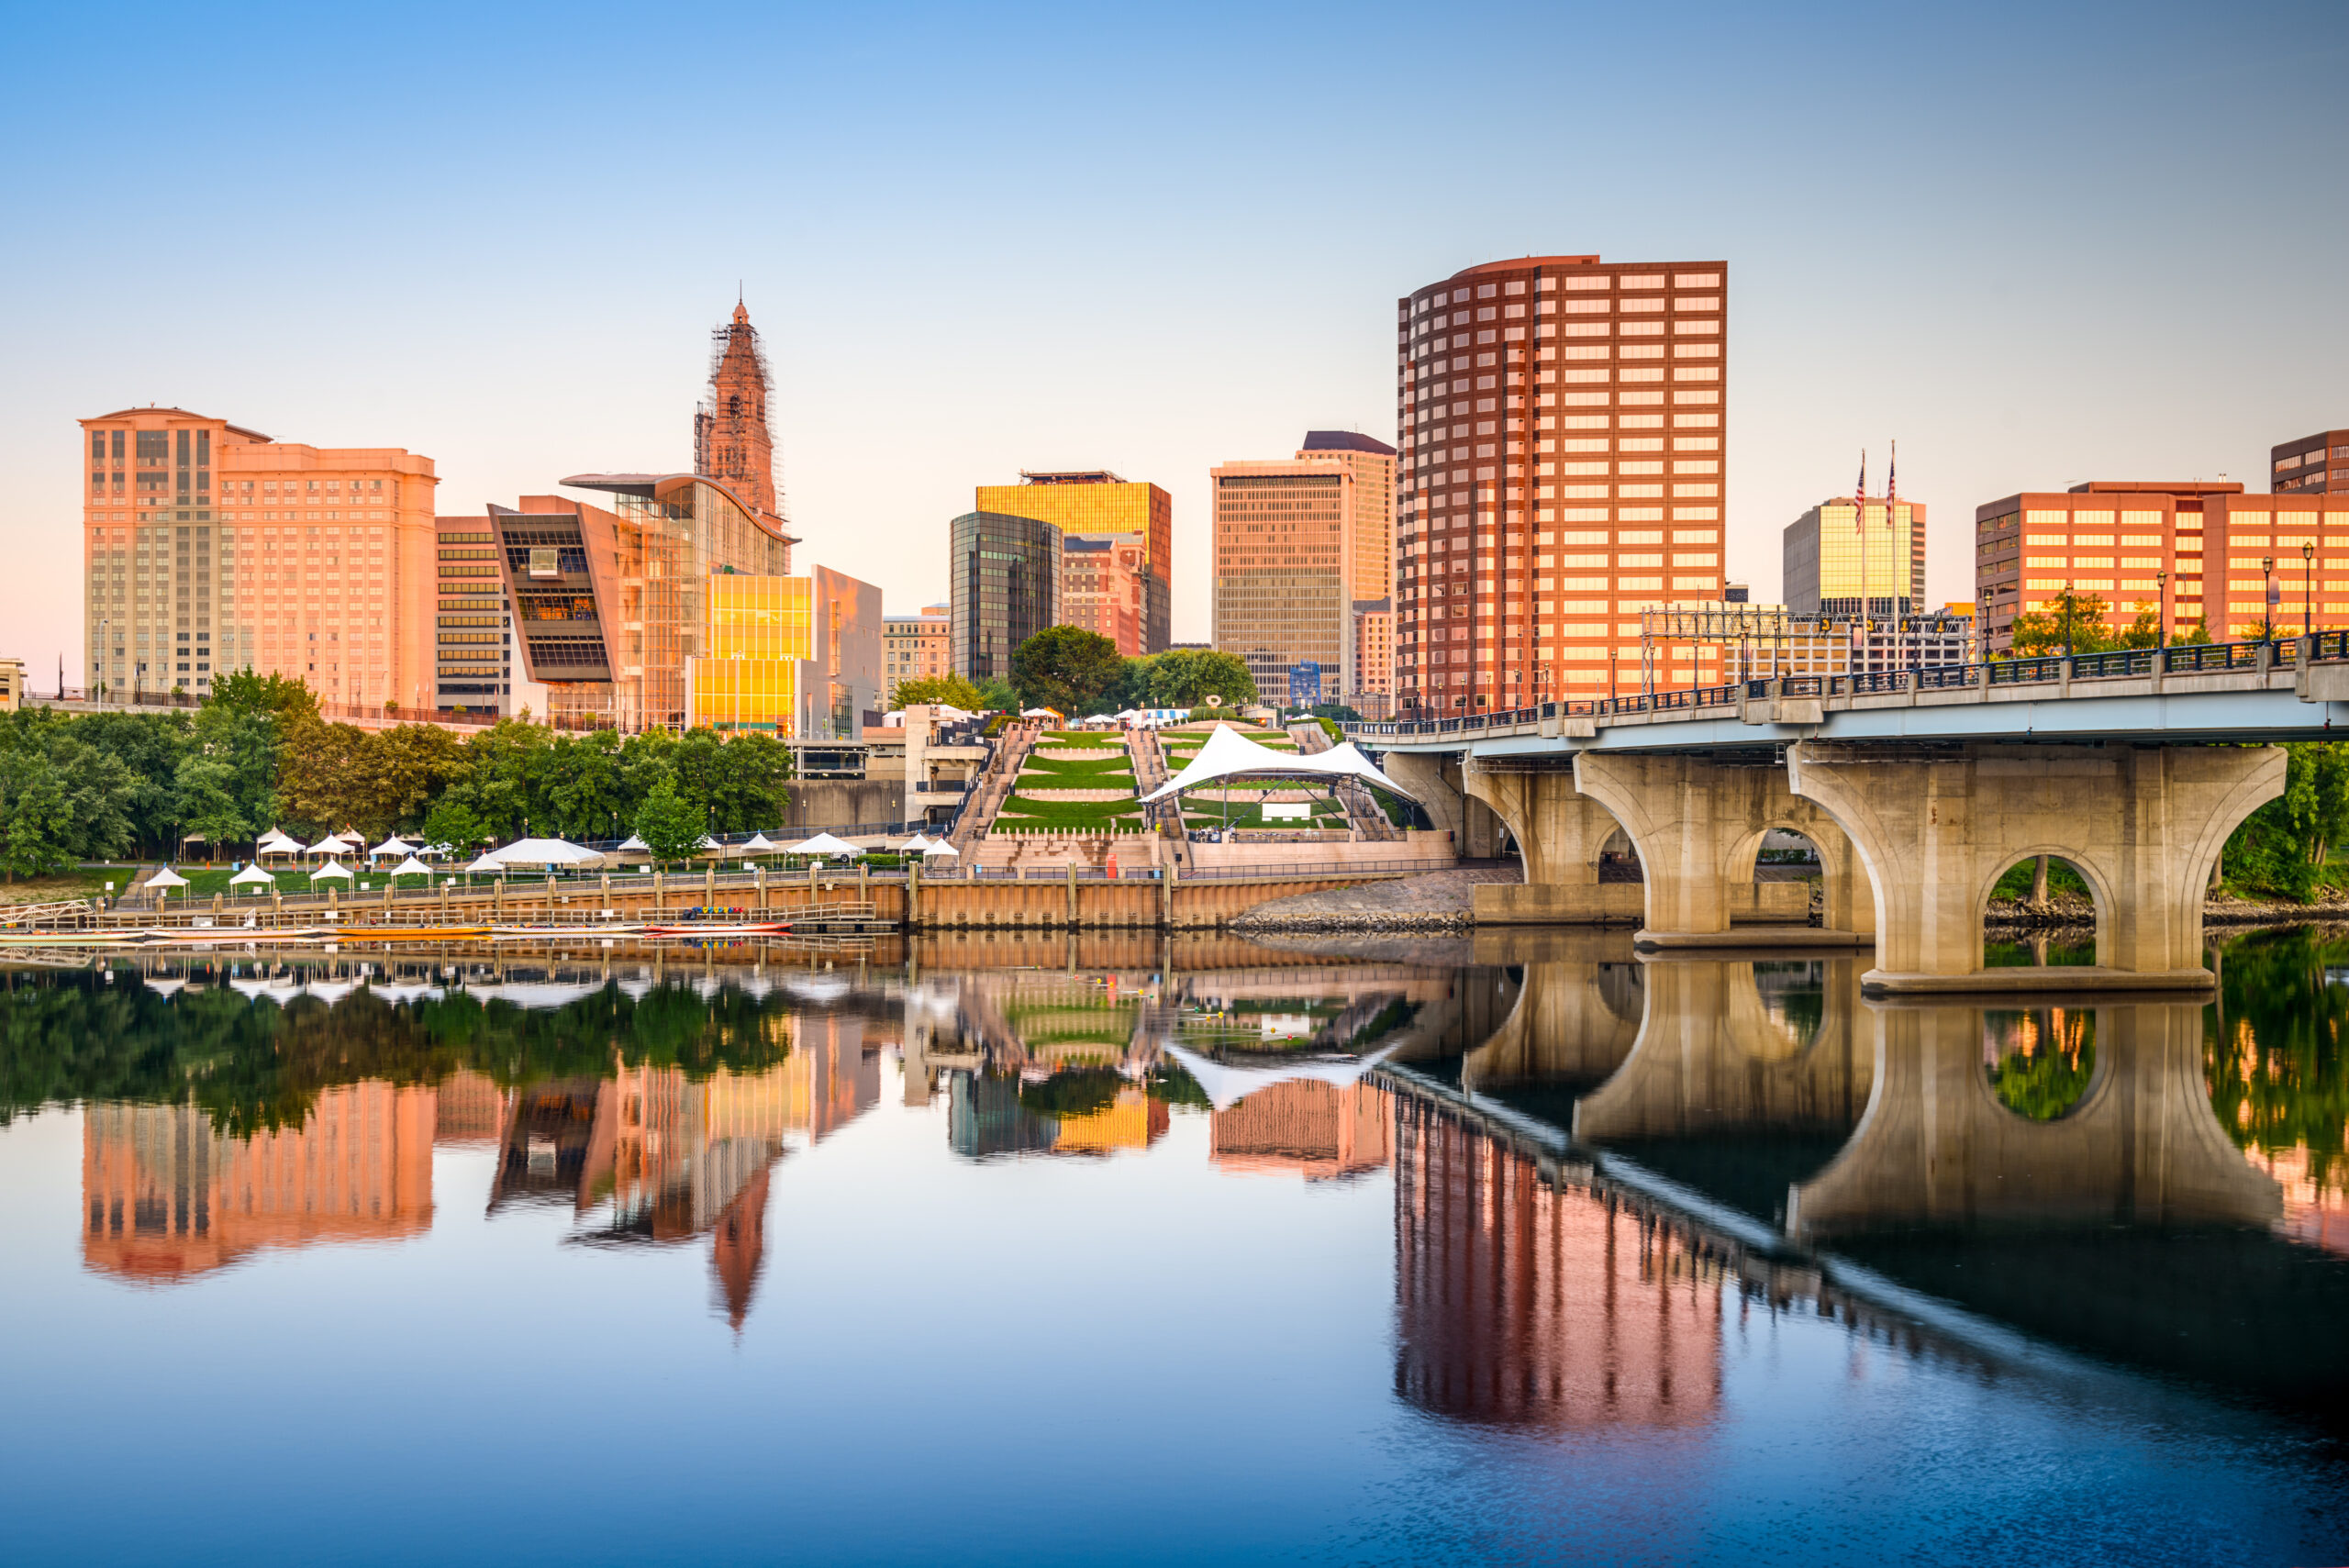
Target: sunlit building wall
[
  {"x": 1564, "y": 459},
  {"x": 2129, "y": 542},
  {"x": 1095, "y": 501},
  {"x": 917, "y": 647},
  {"x": 1103, "y": 585},
  {"x": 1829, "y": 564},
  {"x": 1005, "y": 578},
  {"x": 1305, "y": 1128}
]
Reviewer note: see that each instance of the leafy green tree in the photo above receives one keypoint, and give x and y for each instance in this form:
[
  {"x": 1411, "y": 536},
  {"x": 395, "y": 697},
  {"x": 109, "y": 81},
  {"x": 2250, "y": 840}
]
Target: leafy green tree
[
  {"x": 2196, "y": 634},
  {"x": 1187, "y": 677},
  {"x": 2076, "y": 617},
  {"x": 207, "y": 802},
  {"x": 1337, "y": 711},
  {"x": 35, "y": 819},
  {"x": 998, "y": 696},
  {"x": 408, "y": 767},
  {"x": 452, "y": 823},
  {"x": 951, "y": 689},
  {"x": 671, "y": 829},
  {"x": 586, "y": 784},
  {"x": 1066, "y": 668}
]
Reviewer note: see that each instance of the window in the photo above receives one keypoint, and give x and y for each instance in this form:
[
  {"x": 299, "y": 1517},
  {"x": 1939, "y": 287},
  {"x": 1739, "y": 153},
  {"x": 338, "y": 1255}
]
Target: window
[
  {"x": 1695, "y": 279},
  {"x": 1642, "y": 280}
]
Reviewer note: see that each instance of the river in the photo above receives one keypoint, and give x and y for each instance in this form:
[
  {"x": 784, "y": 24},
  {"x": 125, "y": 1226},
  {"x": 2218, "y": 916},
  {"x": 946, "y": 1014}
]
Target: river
[{"x": 1510, "y": 1249}]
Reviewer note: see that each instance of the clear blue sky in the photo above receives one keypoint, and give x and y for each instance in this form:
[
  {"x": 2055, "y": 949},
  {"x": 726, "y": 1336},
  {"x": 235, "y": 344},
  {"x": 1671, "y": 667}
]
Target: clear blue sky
[{"x": 2036, "y": 243}]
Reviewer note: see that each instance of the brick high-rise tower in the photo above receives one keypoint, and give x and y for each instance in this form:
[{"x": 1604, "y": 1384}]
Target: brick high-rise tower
[{"x": 730, "y": 439}]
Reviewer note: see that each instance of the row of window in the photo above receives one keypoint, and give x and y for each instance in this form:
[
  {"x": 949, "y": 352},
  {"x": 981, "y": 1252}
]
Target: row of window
[{"x": 1577, "y": 283}]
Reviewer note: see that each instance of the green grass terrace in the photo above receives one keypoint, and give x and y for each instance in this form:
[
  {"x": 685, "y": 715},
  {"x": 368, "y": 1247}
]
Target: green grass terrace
[{"x": 1075, "y": 781}]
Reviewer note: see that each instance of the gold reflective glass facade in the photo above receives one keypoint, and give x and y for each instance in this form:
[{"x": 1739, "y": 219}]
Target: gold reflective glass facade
[
  {"x": 758, "y": 630},
  {"x": 1104, "y": 503}
]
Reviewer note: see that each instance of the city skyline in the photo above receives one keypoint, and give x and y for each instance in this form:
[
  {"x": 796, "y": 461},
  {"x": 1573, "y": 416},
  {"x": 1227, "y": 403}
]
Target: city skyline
[{"x": 2001, "y": 369}]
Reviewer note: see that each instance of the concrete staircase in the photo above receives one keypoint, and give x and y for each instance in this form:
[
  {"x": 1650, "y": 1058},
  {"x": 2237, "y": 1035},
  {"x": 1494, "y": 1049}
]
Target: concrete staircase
[
  {"x": 995, "y": 787},
  {"x": 1363, "y": 813},
  {"x": 1165, "y": 817}
]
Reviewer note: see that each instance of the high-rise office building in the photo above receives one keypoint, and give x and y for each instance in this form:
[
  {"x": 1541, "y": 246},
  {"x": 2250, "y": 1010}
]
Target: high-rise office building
[
  {"x": 1005, "y": 570},
  {"x": 1095, "y": 501},
  {"x": 2128, "y": 542},
  {"x": 1831, "y": 561},
  {"x": 1298, "y": 543},
  {"x": 2313, "y": 462},
  {"x": 1565, "y": 457},
  {"x": 207, "y": 548},
  {"x": 2298, "y": 543},
  {"x": 474, "y": 629}
]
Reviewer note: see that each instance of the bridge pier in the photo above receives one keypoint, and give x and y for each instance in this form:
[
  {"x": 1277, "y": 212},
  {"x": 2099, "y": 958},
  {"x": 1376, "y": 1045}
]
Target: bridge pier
[
  {"x": 1935, "y": 1145},
  {"x": 1937, "y": 830},
  {"x": 1435, "y": 780},
  {"x": 1697, "y": 826}
]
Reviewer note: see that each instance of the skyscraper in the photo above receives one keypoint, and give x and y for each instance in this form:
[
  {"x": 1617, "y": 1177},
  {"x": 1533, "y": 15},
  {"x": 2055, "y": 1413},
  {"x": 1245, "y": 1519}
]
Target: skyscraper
[
  {"x": 1565, "y": 457},
  {"x": 2312, "y": 462},
  {"x": 1824, "y": 569},
  {"x": 208, "y": 547},
  {"x": 1303, "y": 547},
  {"x": 1004, "y": 572},
  {"x": 2128, "y": 542},
  {"x": 1095, "y": 501}
]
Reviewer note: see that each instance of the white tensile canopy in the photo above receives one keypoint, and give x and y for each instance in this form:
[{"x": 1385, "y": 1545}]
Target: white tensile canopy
[
  {"x": 1227, "y": 1085},
  {"x": 166, "y": 877},
  {"x": 1038, "y": 713},
  {"x": 412, "y": 867},
  {"x": 756, "y": 844},
  {"x": 547, "y": 852},
  {"x": 332, "y": 868},
  {"x": 252, "y": 877},
  {"x": 942, "y": 848},
  {"x": 1228, "y": 755},
  {"x": 331, "y": 844},
  {"x": 824, "y": 844},
  {"x": 488, "y": 866},
  {"x": 394, "y": 845}
]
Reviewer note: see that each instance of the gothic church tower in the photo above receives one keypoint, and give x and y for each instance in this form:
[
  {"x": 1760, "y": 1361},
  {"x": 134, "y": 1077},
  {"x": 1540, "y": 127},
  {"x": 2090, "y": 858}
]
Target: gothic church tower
[{"x": 730, "y": 439}]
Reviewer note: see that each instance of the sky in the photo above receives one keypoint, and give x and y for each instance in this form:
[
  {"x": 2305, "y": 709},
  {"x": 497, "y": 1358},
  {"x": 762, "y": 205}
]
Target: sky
[{"x": 2035, "y": 244}]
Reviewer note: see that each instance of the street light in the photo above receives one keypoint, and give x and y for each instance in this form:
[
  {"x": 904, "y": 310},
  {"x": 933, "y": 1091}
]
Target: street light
[
  {"x": 2307, "y": 587},
  {"x": 2160, "y": 629},
  {"x": 2067, "y": 617},
  {"x": 2268, "y": 575}
]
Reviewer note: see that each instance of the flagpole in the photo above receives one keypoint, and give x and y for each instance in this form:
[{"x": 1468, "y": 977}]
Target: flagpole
[{"x": 1860, "y": 526}]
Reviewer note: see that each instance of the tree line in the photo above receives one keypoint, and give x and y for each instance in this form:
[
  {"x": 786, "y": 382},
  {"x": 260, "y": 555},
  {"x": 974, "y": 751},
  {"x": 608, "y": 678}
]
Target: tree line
[
  {"x": 256, "y": 754},
  {"x": 1079, "y": 673}
]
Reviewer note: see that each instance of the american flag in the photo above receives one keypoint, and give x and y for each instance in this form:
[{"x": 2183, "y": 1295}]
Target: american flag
[
  {"x": 1891, "y": 483},
  {"x": 1860, "y": 497}
]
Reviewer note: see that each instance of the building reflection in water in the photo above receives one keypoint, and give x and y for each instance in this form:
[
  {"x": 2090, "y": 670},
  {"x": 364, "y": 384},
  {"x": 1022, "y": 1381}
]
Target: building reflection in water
[
  {"x": 1305, "y": 1128},
  {"x": 168, "y": 1196},
  {"x": 1527, "y": 1301}
]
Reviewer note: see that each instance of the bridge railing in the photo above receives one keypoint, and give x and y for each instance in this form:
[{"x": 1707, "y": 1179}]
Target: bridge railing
[{"x": 2320, "y": 647}]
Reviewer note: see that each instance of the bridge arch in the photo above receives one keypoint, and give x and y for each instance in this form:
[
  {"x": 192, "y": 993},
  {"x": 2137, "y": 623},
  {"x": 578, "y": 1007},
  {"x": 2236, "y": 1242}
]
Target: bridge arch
[
  {"x": 2099, "y": 879},
  {"x": 1848, "y": 891}
]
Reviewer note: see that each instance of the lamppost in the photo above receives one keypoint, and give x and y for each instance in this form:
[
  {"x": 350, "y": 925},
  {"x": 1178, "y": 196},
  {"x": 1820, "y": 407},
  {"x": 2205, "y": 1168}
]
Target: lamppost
[
  {"x": 2067, "y": 617},
  {"x": 2161, "y": 593},
  {"x": 2307, "y": 587},
  {"x": 2267, "y": 576}
]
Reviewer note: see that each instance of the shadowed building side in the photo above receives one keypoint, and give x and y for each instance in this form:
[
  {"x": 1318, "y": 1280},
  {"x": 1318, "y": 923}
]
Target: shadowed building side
[{"x": 1304, "y": 1128}]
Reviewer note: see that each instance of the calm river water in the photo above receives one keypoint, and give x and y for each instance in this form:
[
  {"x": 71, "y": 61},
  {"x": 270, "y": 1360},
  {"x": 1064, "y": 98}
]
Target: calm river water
[{"x": 1517, "y": 1250}]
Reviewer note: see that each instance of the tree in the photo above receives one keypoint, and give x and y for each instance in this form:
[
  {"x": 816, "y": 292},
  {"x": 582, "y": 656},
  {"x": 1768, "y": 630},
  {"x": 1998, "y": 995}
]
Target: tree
[
  {"x": 951, "y": 689},
  {"x": 671, "y": 829},
  {"x": 453, "y": 824},
  {"x": 1187, "y": 677},
  {"x": 1066, "y": 668},
  {"x": 207, "y": 802},
  {"x": 2078, "y": 615},
  {"x": 996, "y": 696},
  {"x": 1336, "y": 710},
  {"x": 34, "y": 816}
]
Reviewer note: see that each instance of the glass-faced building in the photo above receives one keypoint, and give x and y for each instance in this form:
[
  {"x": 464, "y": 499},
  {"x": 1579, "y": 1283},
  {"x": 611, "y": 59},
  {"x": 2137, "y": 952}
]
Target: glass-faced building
[
  {"x": 1006, "y": 576},
  {"x": 1095, "y": 501}
]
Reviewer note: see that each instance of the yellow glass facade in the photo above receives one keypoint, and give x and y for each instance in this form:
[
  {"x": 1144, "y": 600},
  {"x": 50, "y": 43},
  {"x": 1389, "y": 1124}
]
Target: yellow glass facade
[
  {"x": 1105, "y": 504},
  {"x": 757, "y": 629}
]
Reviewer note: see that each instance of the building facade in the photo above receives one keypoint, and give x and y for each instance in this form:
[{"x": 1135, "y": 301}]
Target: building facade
[
  {"x": 1006, "y": 576},
  {"x": 1104, "y": 585},
  {"x": 732, "y": 442},
  {"x": 2133, "y": 543},
  {"x": 1373, "y": 695},
  {"x": 2312, "y": 462},
  {"x": 916, "y": 647},
  {"x": 1565, "y": 453},
  {"x": 1095, "y": 501},
  {"x": 207, "y": 548},
  {"x": 1834, "y": 566},
  {"x": 2296, "y": 543}
]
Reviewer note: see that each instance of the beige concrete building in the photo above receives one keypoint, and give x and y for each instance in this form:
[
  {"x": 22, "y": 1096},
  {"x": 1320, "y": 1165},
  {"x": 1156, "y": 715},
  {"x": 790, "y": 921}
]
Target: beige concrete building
[
  {"x": 1298, "y": 542},
  {"x": 914, "y": 647},
  {"x": 208, "y": 547}
]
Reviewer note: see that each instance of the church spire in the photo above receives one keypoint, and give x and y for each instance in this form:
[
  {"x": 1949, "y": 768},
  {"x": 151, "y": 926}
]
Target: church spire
[{"x": 731, "y": 444}]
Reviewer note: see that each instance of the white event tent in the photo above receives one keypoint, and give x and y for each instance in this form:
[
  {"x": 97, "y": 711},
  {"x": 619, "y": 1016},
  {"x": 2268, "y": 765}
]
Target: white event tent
[
  {"x": 252, "y": 877},
  {"x": 549, "y": 853},
  {"x": 411, "y": 867},
  {"x": 942, "y": 849},
  {"x": 394, "y": 845},
  {"x": 332, "y": 868},
  {"x": 1228, "y": 755},
  {"x": 1227, "y": 1085},
  {"x": 329, "y": 846},
  {"x": 823, "y": 844},
  {"x": 487, "y": 865},
  {"x": 166, "y": 878}
]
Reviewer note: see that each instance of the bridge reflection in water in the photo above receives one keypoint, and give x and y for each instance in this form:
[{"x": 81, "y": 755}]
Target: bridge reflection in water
[{"x": 1569, "y": 1216}]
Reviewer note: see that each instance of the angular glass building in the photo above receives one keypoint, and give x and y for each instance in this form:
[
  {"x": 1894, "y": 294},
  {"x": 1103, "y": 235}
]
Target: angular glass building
[{"x": 1006, "y": 578}]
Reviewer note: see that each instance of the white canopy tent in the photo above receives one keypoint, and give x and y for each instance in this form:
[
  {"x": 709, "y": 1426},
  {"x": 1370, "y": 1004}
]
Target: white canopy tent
[
  {"x": 757, "y": 844},
  {"x": 1228, "y": 755},
  {"x": 331, "y": 869},
  {"x": 1038, "y": 713},
  {"x": 1227, "y": 1085},
  {"x": 916, "y": 845},
  {"x": 252, "y": 877},
  {"x": 412, "y": 867},
  {"x": 551, "y": 853},
  {"x": 487, "y": 865},
  {"x": 824, "y": 844},
  {"x": 329, "y": 846},
  {"x": 166, "y": 878},
  {"x": 394, "y": 845},
  {"x": 632, "y": 842},
  {"x": 274, "y": 842},
  {"x": 942, "y": 850}
]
